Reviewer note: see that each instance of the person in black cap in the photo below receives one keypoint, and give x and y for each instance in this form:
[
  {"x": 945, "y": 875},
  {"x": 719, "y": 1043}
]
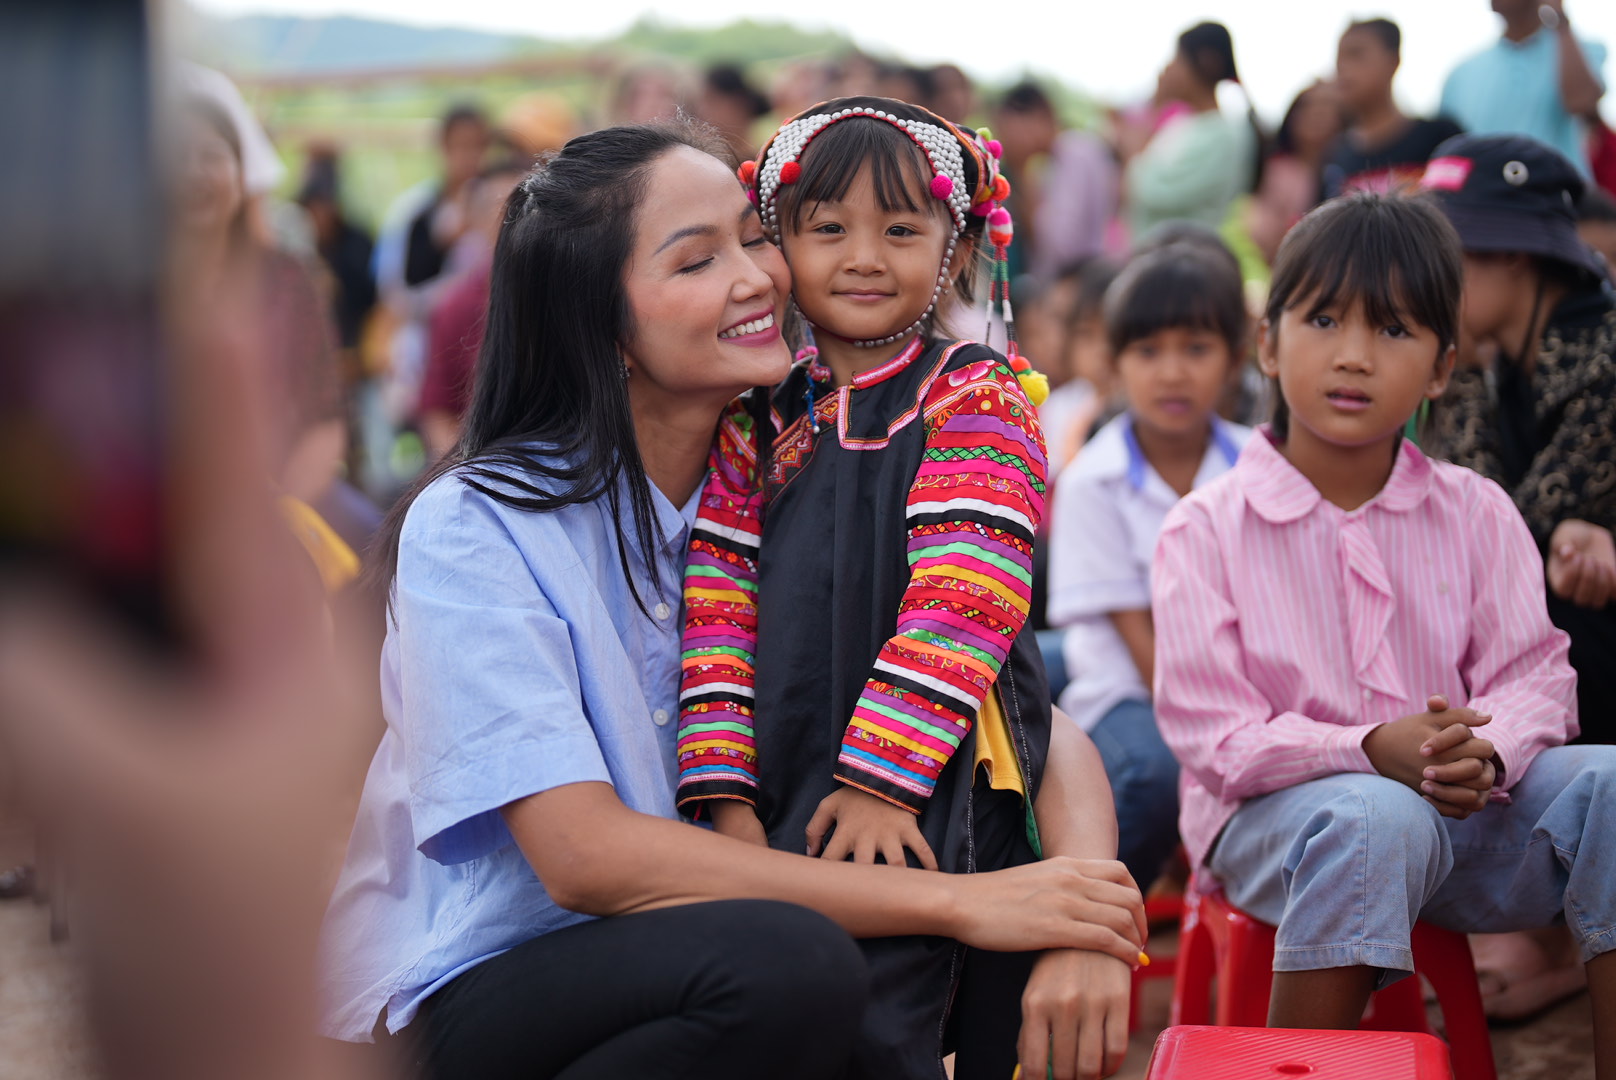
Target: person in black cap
[{"x": 1534, "y": 408}]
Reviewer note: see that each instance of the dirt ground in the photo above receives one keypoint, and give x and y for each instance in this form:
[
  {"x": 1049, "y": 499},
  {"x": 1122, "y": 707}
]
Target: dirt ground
[{"x": 42, "y": 1035}]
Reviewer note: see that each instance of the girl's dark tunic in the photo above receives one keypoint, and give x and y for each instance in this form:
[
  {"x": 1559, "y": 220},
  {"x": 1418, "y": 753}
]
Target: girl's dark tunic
[{"x": 839, "y": 524}]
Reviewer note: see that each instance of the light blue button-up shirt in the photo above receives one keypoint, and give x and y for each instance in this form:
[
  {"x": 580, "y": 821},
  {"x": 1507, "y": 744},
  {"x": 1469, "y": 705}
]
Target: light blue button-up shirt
[{"x": 517, "y": 661}]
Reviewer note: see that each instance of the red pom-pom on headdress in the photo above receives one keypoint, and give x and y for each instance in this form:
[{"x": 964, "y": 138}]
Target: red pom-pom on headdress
[
  {"x": 747, "y": 172},
  {"x": 790, "y": 172}
]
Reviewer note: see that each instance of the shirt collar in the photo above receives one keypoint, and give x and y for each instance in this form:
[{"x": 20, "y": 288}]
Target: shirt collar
[
  {"x": 891, "y": 367},
  {"x": 1281, "y": 494},
  {"x": 1118, "y": 452}
]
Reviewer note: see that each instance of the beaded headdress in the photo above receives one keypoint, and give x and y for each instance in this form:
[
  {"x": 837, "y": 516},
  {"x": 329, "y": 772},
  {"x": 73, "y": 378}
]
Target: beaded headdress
[{"x": 946, "y": 148}]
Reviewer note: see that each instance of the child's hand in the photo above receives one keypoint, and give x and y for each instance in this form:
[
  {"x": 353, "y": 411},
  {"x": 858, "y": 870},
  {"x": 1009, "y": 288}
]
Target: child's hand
[
  {"x": 1074, "y": 1015},
  {"x": 1398, "y": 749},
  {"x": 737, "y": 819},
  {"x": 1461, "y": 769},
  {"x": 866, "y": 827}
]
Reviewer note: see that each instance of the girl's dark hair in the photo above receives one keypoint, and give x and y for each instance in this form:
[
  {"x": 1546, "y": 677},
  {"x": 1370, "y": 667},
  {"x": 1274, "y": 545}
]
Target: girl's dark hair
[
  {"x": 1209, "y": 51},
  {"x": 1395, "y": 255},
  {"x": 897, "y": 168},
  {"x": 1177, "y": 285},
  {"x": 1092, "y": 277},
  {"x": 549, "y": 423},
  {"x": 1385, "y": 31},
  {"x": 1285, "y": 137}
]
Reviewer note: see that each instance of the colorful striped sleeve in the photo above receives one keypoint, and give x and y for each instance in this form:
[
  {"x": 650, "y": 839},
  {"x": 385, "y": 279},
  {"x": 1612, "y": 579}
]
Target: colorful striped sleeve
[
  {"x": 972, "y": 511},
  {"x": 717, "y": 747}
]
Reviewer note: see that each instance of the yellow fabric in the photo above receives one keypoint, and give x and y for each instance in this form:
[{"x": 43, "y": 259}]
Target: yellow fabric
[
  {"x": 333, "y": 558},
  {"x": 994, "y": 749}
]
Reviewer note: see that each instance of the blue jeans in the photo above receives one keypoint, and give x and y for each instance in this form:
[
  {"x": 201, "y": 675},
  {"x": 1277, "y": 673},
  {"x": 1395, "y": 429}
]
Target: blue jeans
[
  {"x": 1144, "y": 784},
  {"x": 1344, "y": 865}
]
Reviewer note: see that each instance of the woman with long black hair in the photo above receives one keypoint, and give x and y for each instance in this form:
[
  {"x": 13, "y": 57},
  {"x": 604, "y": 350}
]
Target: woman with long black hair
[
  {"x": 1198, "y": 160},
  {"x": 525, "y": 781}
]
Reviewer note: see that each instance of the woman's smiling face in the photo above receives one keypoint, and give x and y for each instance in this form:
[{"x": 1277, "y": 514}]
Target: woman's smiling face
[{"x": 706, "y": 290}]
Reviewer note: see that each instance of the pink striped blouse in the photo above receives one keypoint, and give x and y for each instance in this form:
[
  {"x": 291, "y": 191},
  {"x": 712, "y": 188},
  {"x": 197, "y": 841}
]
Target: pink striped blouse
[{"x": 1288, "y": 628}]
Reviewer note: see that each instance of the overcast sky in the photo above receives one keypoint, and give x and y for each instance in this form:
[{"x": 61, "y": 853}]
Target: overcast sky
[{"x": 1111, "y": 48}]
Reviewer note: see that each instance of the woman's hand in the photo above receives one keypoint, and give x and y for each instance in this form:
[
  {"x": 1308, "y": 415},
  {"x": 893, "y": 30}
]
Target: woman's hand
[
  {"x": 1582, "y": 563},
  {"x": 1060, "y": 903},
  {"x": 737, "y": 819},
  {"x": 865, "y": 827},
  {"x": 1074, "y": 1015}
]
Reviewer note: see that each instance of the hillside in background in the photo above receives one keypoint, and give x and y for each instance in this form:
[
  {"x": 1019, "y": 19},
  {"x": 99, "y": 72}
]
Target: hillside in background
[
  {"x": 374, "y": 90},
  {"x": 283, "y": 44},
  {"x": 288, "y": 45}
]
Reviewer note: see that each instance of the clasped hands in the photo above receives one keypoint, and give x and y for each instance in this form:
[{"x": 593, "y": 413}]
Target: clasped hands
[{"x": 1438, "y": 754}]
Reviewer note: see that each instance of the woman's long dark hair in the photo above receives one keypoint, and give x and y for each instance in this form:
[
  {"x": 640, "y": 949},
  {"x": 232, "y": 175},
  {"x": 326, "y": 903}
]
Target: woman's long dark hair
[
  {"x": 549, "y": 423},
  {"x": 1209, "y": 51}
]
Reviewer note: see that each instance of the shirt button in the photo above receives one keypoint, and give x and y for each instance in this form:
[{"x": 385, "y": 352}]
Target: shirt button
[
  {"x": 661, "y": 717},
  {"x": 1367, "y": 694},
  {"x": 662, "y": 611}
]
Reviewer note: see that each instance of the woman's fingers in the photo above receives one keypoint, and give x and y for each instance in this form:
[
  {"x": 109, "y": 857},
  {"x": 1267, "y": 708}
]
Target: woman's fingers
[
  {"x": 1091, "y": 1040},
  {"x": 1116, "y": 1038},
  {"x": 917, "y": 844},
  {"x": 1032, "y": 1048},
  {"x": 818, "y": 825},
  {"x": 1064, "y": 1039}
]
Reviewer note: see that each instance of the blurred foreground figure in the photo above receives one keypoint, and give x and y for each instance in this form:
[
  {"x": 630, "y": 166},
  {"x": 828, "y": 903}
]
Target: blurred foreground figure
[{"x": 169, "y": 691}]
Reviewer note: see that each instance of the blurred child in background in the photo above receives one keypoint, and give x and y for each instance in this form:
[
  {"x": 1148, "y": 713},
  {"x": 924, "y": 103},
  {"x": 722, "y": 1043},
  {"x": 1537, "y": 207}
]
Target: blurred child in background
[{"x": 1176, "y": 326}]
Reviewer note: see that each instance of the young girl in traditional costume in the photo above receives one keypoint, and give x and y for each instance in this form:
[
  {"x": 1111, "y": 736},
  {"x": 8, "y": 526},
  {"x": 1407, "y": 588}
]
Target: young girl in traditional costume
[{"x": 856, "y": 680}]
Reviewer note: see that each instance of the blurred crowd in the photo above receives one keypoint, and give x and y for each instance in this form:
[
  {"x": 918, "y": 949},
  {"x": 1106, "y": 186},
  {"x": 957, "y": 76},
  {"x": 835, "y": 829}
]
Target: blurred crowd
[{"x": 376, "y": 390}]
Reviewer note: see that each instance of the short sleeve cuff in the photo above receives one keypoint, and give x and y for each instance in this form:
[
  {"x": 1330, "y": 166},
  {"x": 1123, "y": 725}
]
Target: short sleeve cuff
[
  {"x": 455, "y": 811},
  {"x": 1098, "y": 598}
]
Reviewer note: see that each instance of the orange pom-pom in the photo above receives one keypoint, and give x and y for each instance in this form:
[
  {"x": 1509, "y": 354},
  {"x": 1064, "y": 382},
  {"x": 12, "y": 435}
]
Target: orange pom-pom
[
  {"x": 747, "y": 172},
  {"x": 1001, "y": 188},
  {"x": 790, "y": 172},
  {"x": 1019, "y": 363}
]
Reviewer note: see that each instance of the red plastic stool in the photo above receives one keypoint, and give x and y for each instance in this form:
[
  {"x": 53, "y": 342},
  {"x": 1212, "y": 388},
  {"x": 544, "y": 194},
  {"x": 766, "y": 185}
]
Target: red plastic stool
[
  {"x": 1230, "y": 1053},
  {"x": 1218, "y": 942}
]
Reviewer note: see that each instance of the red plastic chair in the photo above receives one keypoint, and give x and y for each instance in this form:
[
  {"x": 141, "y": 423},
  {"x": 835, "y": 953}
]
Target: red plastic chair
[
  {"x": 1228, "y": 1053},
  {"x": 1219, "y": 943}
]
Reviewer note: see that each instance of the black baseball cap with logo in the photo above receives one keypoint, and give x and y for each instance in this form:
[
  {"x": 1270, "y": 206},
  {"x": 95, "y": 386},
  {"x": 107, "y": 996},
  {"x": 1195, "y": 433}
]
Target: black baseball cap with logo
[{"x": 1511, "y": 193}]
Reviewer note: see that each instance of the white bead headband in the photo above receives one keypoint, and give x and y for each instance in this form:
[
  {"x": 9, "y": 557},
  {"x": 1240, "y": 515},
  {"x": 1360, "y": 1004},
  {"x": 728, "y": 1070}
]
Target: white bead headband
[
  {"x": 944, "y": 153},
  {"x": 941, "y": 147}
]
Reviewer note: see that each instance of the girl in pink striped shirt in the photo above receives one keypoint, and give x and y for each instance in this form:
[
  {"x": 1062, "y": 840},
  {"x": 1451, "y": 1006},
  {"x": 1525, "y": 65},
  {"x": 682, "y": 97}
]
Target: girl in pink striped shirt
[{"x": 1355, "y": 666}]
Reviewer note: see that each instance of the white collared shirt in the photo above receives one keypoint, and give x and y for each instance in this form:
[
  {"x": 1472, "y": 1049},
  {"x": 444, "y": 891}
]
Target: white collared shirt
[{"x": 1108, "y": 509}]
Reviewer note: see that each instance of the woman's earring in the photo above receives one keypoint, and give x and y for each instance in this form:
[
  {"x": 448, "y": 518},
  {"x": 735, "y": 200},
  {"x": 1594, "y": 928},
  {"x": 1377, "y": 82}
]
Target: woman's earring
[{"x": 624, "y": 364}]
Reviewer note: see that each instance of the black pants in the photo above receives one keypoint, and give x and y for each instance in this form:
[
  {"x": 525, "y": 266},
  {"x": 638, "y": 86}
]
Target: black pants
[{"x": 737, "y": 988}]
